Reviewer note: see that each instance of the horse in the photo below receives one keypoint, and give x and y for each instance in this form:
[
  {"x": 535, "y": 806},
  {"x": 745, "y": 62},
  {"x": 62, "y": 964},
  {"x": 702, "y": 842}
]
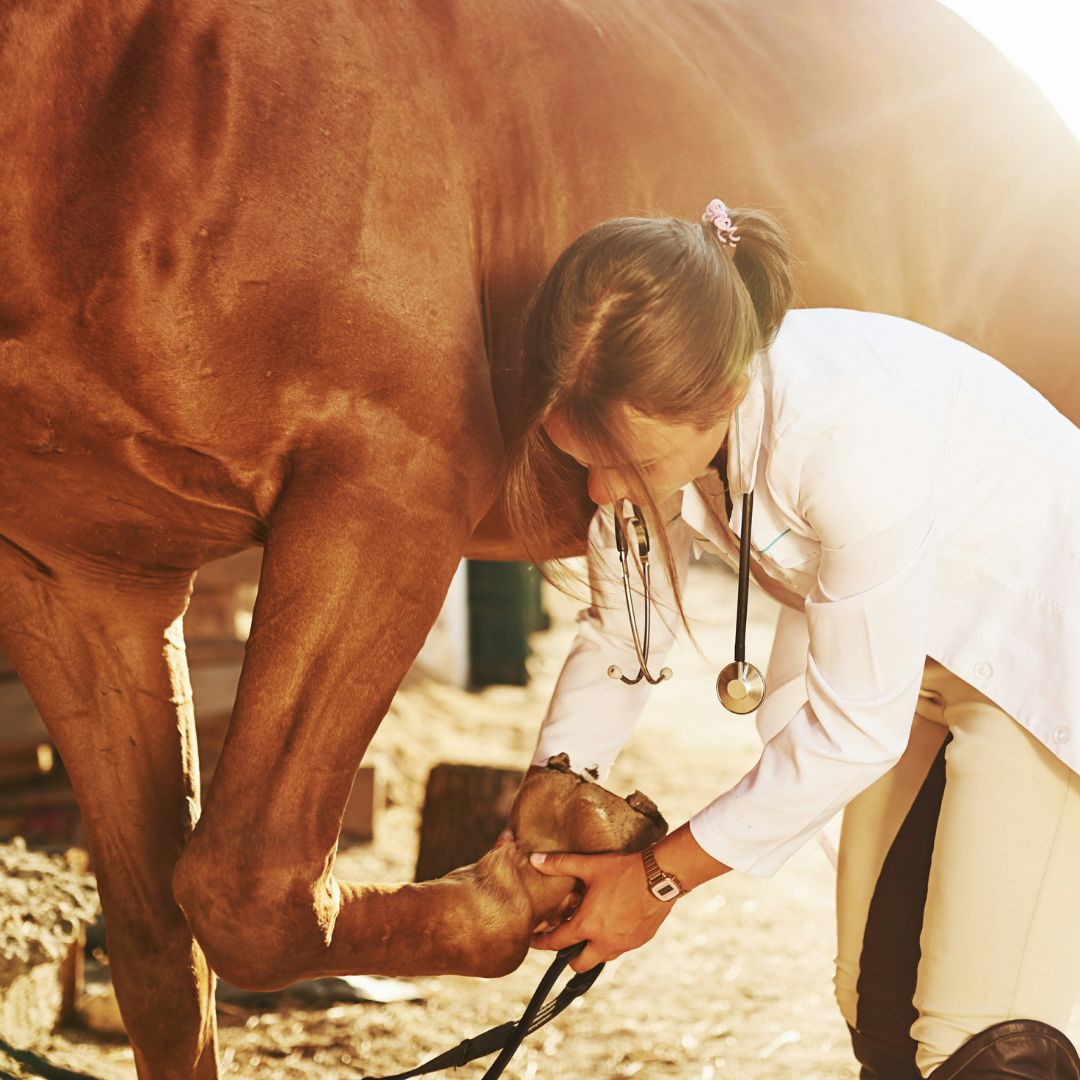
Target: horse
[{"x": 262, "y": 274}]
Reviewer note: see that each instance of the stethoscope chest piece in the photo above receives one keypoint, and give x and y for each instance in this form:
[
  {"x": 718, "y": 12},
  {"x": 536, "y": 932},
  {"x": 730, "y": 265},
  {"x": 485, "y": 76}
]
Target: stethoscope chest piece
[{"x": 740, "y": 687}]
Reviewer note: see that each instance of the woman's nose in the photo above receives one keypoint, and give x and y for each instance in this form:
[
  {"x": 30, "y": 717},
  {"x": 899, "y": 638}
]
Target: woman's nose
[{"x": 605, "y": 487}]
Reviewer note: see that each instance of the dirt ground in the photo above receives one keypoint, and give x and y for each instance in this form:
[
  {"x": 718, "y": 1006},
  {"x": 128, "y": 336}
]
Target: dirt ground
[{"x": 737, "y": 984}]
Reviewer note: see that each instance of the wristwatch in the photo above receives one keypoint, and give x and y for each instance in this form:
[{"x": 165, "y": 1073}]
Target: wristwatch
[{"x": 663, "y": 886}]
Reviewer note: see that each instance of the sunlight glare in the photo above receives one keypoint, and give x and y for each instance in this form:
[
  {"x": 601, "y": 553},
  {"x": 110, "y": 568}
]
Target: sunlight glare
[{"x": 1040, "y": 37}]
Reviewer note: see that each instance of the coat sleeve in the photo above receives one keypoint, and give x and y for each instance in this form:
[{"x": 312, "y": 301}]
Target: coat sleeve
[
  {"x": 863, "y": 481},
  {"x": 591, "y": 715}
]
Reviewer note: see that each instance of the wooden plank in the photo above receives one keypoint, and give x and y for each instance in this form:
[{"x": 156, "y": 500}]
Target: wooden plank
[{"x": 465, "y": 809}]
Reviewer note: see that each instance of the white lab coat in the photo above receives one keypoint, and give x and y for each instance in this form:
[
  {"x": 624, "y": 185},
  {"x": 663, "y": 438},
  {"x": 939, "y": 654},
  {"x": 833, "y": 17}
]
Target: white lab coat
[{"x": 915, "y": 498}]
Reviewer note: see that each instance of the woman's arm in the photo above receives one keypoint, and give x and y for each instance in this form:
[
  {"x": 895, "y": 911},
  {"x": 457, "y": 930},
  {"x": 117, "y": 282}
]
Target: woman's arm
[
  {"x": 863, "y": 475},
  {"x": 864, "y": 480},
  {"x": 591, "y": 715}
]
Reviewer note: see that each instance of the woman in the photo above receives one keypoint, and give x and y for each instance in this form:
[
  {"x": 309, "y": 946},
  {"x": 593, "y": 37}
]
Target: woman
[{"x": 917, "y": 510}]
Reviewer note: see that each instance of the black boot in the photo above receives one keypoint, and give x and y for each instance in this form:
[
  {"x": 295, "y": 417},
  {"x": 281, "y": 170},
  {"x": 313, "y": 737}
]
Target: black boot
[
  {"x": 880, "y": 1060},
  {"x": 1013, "y": 1050}
]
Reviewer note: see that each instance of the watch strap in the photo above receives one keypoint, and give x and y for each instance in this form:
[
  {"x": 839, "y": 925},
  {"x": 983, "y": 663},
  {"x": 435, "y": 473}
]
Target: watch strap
[{"x": 663, "y": 886}]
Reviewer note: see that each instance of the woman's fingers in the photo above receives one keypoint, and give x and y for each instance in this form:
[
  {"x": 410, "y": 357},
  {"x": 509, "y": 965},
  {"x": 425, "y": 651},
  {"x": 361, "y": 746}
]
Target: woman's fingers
[
  {"x": 556, "y": 864},
  {"x": 566, "y": 933},
  {"x": 617, "y": 912},
  {"x": 556, "y": 938},
  {"x": 561, "y": 929}
]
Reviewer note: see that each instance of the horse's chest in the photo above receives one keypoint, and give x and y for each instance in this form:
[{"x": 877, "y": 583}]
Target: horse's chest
[{"x": 108, "y": 489}]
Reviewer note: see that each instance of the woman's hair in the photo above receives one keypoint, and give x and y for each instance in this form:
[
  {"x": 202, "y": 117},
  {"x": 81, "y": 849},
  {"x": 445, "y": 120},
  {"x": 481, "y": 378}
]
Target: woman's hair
[{"x": 651, "y": 313}]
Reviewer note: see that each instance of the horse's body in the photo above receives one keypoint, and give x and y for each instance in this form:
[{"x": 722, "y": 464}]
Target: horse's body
[{"x": 261, "y": 275}]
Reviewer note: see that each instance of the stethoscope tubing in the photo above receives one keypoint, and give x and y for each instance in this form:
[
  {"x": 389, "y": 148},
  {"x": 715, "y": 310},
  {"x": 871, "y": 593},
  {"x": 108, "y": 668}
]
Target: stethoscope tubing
[
  {"x": 742, "y": 602},
  {"x": 740, "y": 686},
  {"x": 641, "y": 648}
]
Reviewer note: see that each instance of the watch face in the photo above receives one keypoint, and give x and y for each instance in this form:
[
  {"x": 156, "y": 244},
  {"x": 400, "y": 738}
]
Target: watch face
[{"x": 665, "y": 889}]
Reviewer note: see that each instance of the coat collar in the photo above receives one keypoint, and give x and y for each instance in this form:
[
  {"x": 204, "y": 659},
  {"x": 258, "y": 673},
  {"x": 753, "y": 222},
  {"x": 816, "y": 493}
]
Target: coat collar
[
  {"x": 744, "y": 435},
  {"x": 703, "y": 498}
]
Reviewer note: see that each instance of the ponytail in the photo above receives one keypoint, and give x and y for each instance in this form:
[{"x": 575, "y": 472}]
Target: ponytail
[
  {"x": 659, "y": 315},
  {"x": 763, "y": 260}
]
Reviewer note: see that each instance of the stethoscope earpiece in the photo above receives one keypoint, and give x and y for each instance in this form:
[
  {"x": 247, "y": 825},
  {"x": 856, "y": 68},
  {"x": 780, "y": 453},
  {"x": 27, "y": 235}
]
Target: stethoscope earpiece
[
  {"x": 634, "y": 527},
  {"x": 615, "y": 672}
]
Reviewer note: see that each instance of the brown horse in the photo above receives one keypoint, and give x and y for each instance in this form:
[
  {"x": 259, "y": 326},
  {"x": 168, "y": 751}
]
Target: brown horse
[{"x": 261, "y": 274}]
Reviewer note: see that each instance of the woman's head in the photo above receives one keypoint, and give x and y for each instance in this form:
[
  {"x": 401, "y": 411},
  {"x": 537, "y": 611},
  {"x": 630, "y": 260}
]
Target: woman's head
[
  {"x": 638, "y": 345},
  {"x": 650, "y": 457}
]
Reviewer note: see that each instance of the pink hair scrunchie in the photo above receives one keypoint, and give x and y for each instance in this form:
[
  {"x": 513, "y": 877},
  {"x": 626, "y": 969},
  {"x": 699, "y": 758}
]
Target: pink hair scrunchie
[{"x": 717, "y": 215}]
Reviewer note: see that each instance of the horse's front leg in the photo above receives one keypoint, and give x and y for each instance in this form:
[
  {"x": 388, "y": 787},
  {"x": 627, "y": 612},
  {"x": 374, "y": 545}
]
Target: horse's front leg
[
  {"x": 103, "y": 657},
  {"x": 361, "y": 550}
]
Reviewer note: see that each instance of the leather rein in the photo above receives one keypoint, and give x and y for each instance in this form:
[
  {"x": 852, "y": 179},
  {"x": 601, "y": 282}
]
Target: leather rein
[{"x": 509, "y": 1036}]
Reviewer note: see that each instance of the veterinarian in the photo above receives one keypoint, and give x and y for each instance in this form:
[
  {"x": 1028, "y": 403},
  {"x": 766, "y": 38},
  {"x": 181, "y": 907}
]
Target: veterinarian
[{"x": 917, "y": 513}]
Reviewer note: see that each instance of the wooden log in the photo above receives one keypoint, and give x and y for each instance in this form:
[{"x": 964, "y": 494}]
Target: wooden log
[{"x": 465, "y": 809}]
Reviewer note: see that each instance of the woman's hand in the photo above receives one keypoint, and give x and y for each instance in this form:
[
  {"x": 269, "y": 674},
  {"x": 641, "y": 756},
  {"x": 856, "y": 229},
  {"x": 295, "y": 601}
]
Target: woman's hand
[{"x": 616, "y": 914}]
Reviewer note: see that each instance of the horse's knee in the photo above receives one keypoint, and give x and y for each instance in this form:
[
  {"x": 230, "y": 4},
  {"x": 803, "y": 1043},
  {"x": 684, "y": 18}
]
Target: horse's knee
[{"x": 254, "y": 932}]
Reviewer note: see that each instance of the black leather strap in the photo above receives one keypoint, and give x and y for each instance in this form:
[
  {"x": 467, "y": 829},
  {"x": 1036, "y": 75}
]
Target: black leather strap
[{"x": 509, "y": 1036}]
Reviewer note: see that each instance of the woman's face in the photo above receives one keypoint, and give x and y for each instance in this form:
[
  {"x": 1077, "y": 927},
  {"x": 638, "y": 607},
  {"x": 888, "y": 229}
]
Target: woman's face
[{"x": 670, "y": 455}]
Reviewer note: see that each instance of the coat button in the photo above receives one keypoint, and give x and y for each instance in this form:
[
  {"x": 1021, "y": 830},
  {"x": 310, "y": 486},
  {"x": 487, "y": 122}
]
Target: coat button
[
  {"x": 983, "y": 670},
  {"x": 1060, "y": 734}
]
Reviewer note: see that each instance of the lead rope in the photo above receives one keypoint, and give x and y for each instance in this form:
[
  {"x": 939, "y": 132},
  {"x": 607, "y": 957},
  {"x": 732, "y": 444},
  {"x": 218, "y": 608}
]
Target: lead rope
[{"x": 509, "y": 1036}]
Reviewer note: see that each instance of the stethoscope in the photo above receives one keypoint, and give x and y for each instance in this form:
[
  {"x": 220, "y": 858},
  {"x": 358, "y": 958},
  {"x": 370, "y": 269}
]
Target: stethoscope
[{"x": 739, "y": 686}]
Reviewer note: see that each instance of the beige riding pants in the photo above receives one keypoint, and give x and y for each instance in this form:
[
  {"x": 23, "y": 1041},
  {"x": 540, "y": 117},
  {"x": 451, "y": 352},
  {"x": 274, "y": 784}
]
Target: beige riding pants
[{"x": 958, "y": 893}]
